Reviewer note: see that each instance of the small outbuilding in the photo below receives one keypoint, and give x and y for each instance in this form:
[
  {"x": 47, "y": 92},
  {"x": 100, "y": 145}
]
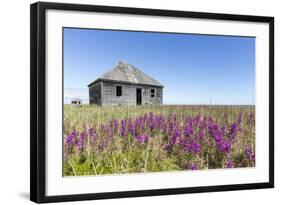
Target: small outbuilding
[
  {"x": 76, "y": 102},
  {"x": 125, "y": 85}
]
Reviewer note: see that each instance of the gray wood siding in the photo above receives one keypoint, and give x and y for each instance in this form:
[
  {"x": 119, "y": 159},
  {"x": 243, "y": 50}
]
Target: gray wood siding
[
  {"x": 109, "y": 94},
  {"x": 95, "y": 94},
  {"x": 158, "y": 95},
  {"x": 128, "y": 97}
]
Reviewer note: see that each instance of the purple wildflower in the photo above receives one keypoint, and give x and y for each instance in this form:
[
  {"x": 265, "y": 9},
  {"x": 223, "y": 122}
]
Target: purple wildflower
[
  {"x": 123, "y": 128},
  {"x": 146, "y": 138},
  {"x": 188, "y": 130},
  {"x": 227, "y": 146},
  {"x": 193, "y": 147},
  {"x": 233, "y": 131},
  {"x": 92, "y": 134},
  {"x": 215, "y": 133},
  {"x": 70, "y": 139},
  {"x": 193, "y": 166},
  {"x": 142, "y": 138},
  {"x": 115, "y": 125},
  {"x": 224, "y": 146},
  {"x": 249, "y": 153},
  {"x": 80, "y": 141},
  {"x": 166, "y": 146},
  {"x": 229, "y": 163},
  {"x": 132, "y": 127},
  {"x": 176, "y": 135},
  {"x": 139, "y": 139}
]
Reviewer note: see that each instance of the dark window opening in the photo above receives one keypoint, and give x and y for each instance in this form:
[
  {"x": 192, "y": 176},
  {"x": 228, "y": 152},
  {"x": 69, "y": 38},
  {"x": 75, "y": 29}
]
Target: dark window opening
[
  {"x": 152, "y": 93},
  {"x": 139, "y": 96},
  {"x": 118, "y": 91}
]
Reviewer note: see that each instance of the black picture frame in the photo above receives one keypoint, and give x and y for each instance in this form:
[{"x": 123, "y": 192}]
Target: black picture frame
[{"x": 38, "y": 101}]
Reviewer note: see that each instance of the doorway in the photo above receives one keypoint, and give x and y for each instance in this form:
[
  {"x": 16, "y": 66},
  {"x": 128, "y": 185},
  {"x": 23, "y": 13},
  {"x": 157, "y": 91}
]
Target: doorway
[{"x": 139, "y": 96}]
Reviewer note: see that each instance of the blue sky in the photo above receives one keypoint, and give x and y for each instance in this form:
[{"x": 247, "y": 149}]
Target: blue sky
[{"x": 195, "y": 69}]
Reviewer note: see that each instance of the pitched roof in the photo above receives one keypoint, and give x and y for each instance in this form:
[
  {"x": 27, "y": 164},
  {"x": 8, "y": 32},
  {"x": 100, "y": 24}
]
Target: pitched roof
[{"x": 125, "y": 72}]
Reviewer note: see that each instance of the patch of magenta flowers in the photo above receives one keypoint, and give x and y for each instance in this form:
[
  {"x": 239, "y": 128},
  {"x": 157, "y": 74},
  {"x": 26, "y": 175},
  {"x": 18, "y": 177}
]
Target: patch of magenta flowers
[{"x": 191, "y": 135}]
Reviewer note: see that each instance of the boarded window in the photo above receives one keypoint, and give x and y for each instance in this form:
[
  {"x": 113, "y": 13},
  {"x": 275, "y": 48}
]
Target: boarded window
[
  {"x": 152, "y": 93},
  {"x": 118, "y": 90}
]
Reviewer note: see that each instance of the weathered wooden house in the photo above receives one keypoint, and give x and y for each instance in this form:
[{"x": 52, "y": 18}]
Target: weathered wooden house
[{"x": 125, "y": 85}]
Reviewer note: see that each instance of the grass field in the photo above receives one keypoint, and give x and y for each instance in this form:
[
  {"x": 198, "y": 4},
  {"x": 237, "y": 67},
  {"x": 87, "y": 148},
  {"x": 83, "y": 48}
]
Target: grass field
[{"x": 112, "y": 140}]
